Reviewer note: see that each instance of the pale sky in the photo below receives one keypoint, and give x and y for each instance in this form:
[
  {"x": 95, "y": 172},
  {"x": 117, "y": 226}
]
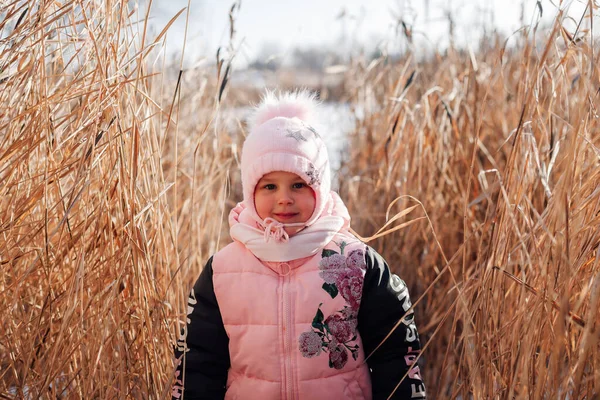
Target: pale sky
[{"x": 281, "y": 25}]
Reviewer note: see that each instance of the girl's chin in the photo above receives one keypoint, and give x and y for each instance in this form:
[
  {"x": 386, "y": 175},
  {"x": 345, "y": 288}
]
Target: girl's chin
[{"x": 292, "y": 230}]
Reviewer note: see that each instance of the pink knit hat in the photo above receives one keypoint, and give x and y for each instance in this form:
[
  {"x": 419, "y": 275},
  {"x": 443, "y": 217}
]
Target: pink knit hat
[{"x": 282, "y": 139}]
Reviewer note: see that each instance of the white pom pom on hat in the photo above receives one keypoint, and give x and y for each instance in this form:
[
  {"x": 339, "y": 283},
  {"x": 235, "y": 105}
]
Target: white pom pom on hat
[
  {"x": 282, "y": 138},
  {"x": 300, "y": 104}
]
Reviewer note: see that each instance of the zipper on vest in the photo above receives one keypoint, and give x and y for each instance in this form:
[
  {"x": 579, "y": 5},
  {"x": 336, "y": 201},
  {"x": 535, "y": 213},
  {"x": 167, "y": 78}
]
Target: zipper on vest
[{"x": 287, "y": 339}]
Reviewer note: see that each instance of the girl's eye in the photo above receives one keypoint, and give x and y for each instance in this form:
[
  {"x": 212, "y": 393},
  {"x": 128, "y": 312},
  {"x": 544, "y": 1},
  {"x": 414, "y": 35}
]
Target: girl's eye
[
  {"x": 299, "y": 185},
  {"x": 269, "y": 186}
]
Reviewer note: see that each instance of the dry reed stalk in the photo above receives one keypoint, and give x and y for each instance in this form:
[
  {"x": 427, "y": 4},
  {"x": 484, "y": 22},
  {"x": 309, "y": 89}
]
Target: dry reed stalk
[
  {"x": 114, "y": 179},
  {"x": 107, "y": 210},
  {"x": 502, "y": 148}
]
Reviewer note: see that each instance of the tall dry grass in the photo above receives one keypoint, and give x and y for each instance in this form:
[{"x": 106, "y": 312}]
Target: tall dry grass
[
  {"x": 115, "y": 177},
  {"x": 500, "y": 153},
  {"x": 111, "y": 189}
]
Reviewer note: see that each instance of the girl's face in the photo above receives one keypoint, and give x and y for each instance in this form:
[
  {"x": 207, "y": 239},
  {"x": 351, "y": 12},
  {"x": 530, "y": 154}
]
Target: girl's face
[{"x": 284, "y": 197}]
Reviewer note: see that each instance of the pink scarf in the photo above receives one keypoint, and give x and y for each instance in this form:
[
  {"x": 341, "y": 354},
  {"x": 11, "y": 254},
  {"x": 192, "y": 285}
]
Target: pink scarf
[{"x": 268, "y": 240}]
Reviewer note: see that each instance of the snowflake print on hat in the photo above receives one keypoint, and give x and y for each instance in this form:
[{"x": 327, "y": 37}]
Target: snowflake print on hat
[
  {"x": 297, "y": 134},
  {"x": 314, "y": 175},
  {"x": 313, "y": 130}
]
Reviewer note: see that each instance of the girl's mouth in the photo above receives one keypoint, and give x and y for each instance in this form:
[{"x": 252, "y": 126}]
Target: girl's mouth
[{"x": 285, "y": 216}]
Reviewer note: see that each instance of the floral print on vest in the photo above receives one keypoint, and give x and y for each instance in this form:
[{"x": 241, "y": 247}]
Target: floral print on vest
[{"x": 337, "y": 334}]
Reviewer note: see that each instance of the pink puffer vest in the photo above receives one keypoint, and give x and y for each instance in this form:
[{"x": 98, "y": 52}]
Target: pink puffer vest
[{"x": 292, "y": 325}]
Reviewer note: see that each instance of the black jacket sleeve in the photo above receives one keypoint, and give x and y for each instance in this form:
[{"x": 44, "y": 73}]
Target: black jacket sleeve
[
  {"x": 385, "y": 300},
  {"x": 202, "y": 351}
]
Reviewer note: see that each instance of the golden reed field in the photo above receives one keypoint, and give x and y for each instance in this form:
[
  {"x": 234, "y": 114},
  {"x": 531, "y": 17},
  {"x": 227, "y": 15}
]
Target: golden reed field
[{"x": 117, "y": 173}]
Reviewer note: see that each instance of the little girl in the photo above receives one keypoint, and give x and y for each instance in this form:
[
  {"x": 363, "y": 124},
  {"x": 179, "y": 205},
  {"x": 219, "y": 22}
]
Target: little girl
[{"x": 296, "y": 307}]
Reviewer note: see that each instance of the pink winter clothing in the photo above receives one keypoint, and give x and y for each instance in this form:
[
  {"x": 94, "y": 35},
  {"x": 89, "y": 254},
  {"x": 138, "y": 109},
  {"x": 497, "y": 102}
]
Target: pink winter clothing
[
  {"x": 274, "y": 316},
  {"x": 282, "y": 139},
  {"x": 289, "y": 339},
  {"x": 270, "y": 242},
  {"x": 281, "y": 313}
]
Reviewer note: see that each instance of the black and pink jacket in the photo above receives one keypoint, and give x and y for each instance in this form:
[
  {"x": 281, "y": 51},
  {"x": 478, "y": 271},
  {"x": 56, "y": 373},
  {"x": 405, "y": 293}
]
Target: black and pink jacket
[{"x": 304, "y": 329}]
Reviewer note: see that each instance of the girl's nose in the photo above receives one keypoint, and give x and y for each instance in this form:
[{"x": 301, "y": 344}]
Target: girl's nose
[{"x": 285, "y": 197}]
